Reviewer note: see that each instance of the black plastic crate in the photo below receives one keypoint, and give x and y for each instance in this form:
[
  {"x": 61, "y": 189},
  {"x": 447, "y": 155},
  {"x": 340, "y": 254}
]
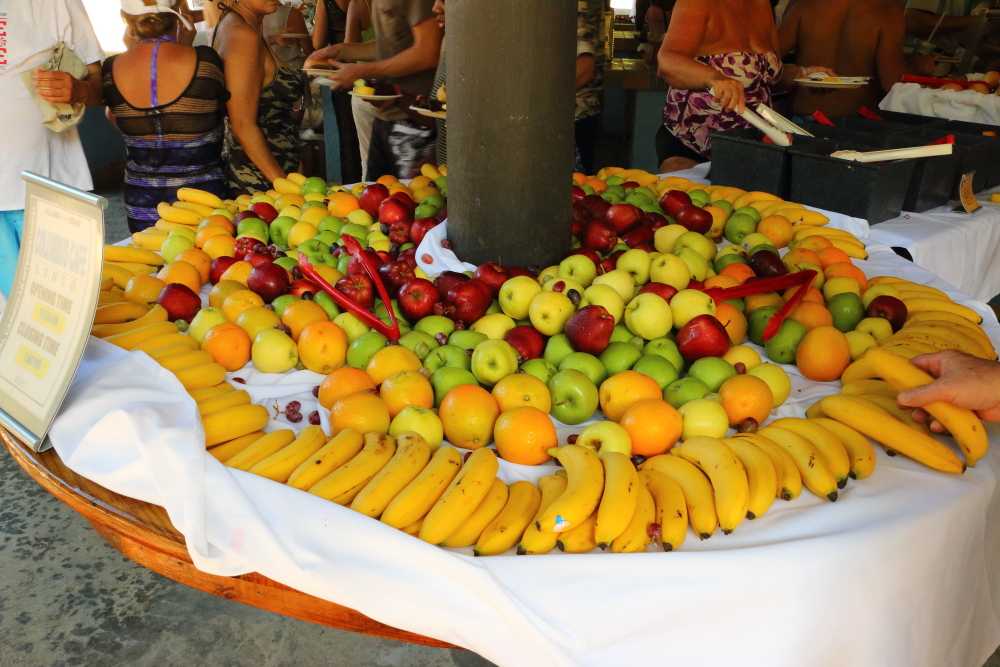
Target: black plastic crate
[
  {"x": 741, "y": 159},
  {"x": 934, "y": 178},
  {"x": 908, "y": 118},
  {"x": 977, "y": 152},
  {"x": 979, "y": 130},
  {"x": 875, "y": 127},
  {"x": 875, "y": 141},
  {"x": 873, "y": 191}
]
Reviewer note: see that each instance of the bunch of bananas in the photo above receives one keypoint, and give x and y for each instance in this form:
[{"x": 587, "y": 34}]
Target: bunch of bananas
[
  {"x": 765, "y": 203},
  {"x": 121, "y": 263},
  {"x": 842, "y": 240},
  {"x": 190, "y": 209}
]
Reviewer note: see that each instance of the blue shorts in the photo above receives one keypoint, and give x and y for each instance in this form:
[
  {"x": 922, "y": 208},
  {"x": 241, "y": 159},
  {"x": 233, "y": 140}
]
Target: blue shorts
[{"x": 11, "y": 223}]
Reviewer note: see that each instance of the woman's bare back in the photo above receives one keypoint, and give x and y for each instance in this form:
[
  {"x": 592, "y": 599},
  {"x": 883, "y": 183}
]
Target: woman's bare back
[{"x": 175, "y": 67}]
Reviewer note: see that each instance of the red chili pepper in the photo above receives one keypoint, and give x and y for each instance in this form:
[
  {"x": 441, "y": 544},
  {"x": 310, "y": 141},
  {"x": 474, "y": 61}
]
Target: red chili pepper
[{"x": 802, "y": 278}]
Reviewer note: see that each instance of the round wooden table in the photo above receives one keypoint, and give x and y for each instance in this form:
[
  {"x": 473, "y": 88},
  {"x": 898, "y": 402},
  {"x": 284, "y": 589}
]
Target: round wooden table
[{"x": 143, "y": 533}]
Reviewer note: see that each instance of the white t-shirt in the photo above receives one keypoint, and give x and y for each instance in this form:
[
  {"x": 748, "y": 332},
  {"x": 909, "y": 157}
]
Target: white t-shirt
[{"x": 29, "y": 31}]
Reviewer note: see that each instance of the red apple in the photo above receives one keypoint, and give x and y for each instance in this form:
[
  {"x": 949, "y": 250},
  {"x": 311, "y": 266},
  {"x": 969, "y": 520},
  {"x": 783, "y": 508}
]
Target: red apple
[
  {"x": 629, "y": 185},
  {"x": 421, "y": 227},
  {"x": 654, "y": 221},
  {"x": 442, "y": 214},
  {"x": 386, "y": 257},
  {"x": 662, "y": 290},
  {"x": 493, "y": 275},
  {"x": 269, "y": 280},
  {"x": 391, "y": 210},
  {"x": 767, "y": 264},
  {"x": 257, "y": 258},
  {"x": 673, "y": 201},
  {"x": 586, "y": 252},
  {"x": 469, "y": 300},
  {"x": 623, "y": 217},
  {"x": 218, "y": 267},
  {"x": 399, "y": 231},
  {"x": 355, "y": 265},
  {"x": 409, "y": 256},
  {"x": 264, "y": 211},
  {"x": 581, "y": 213},
  {"x": 518, "y": 271},
  {"x": 888, "y": 307},
  {"x": 598, "y": 235},
  {"x": 405, "y": 198},
  {"x": 417, "y": 298},
  {"x": 645, "y": 245},
  {"x": 302, "y": 286},
  {"x": 372, "y": 196},
  {"x": 702, "y": 336},
  {"x": 394, "y": 275},
  {"x": 595, "y": 206},
  {"x": 578, "y": 193},
  {"x": 244, "y": 246},
  {"x": 180, "y": 302},
  {"x": 589, "y": 329},
  {"x": 526, "y": 340},
  {"x": 358, "y": 288},
  {"x": 446, "y": 280},
  {"x": 634, "y": 237},
  {"x": 243, "y": 215},
  {"x": 695, "y": 218}
]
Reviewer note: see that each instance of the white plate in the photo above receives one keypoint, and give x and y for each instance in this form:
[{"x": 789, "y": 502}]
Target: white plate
[
  {"x": 318, "y": 71},
  {"x": 376, "y": 98},
  {"x": 428, "y": 112},
  {"x": 853, "y": 82}
]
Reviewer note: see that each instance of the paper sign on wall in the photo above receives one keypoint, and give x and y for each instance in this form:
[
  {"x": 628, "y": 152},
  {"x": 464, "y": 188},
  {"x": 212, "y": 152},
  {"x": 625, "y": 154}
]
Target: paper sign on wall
[
  {"x": 969, "y": 202},
  {"x": 46, "y": 323}
]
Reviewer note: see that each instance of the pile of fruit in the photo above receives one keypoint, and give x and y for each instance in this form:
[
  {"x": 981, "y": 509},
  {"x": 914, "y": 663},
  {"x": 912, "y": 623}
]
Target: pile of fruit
[{"x": 622, "y": 324}]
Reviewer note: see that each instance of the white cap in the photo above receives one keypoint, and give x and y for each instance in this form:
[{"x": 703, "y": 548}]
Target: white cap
[{"x": 138, "y": 8}]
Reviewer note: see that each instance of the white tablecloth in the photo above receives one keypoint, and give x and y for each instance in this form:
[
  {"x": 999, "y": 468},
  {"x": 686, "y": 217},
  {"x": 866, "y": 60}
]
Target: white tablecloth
[{"x": 903, "y": 570}]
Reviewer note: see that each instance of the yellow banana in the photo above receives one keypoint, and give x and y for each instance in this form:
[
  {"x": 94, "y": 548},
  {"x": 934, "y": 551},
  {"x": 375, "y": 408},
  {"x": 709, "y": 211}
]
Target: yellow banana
[
  {"x": 285, "y": 186},
  {"x": 761, "y": 475},
  {"x": 461, "y": 497},
  {"x": 892, "y": 433},
  {"x": 167, "y": 226},
  {"x": 106, "y": 298},
  {"x": 962, "y": 423},
  {"x": 640, "y": 530},
  {"x": 133, "y": 268},
  {"x": 833, "y": 451},
  {"x": 119, "y": 313},
  {"x": 859, "y": 450},
  {"x": 829, "y": 232},
  {"x": 580, "y": 538},
  {"x": 117, "y": 253},
  {"x": 228, "y": 450},
  {"x": 131, "y": 339},
  {"x": 789, "y": 481},
  {"x": 263, "y": 447},
  {"x": 890, "y": 406},
  {"x": 932, "y": 340},
  {"x": 185, "y": 359},
  {"x": 965, "y": 326},
  {"x": 116, "y": 273},
  {"x": 171, "y": 350},
  {"x": 506, "y": 529},
  {"x": 412, "y": 455},
  {"x": 729, "y": 479},
  {"x": 869, "y": 387},
  {"x": 233, "y": 422},
  {"x": 339, "y": 450},
  {"x": 107, "y": 283},
  {"x": 698, "y": 492},
  {"x": 815, "y": 473},
  {"x": 487, "y": 510},
  {"x": 909, "y": 349},
  {"x": 208, "y": 393},
  {"x": 853, "y": 250},
  {"x": 177, "y": 215},
  {"x": 671, "y": 509},
  {"x": 374, "y": 456},
  {"x": 346, "y": 498},
  {"x": 200, "y": 209},
  {"x": 420, "y": 495},
  {"x": 750, "y": 197},
  {"x": 906, "y": 294},
  {"x": 413, "y": 528},
  {"x": 195, "y": 196},
  {"x": 941, "y": 316},
  {"x": 909, "y": 286},
  {"x": 155, "y": 314},
  {"x": 579, "y": 501},
  {"x": 228, "y": 400},
  {"x": 621, "y": 489},
  {"x": 966, "y": 343},
  {"x": 924, "y": 304},
  {"x": 148, "y": 240},
  {"x": 205, "y": 375},
  {"x": 281, "y": 464},
  {"x": 163, "y": 339},
  {"x": 535, "y": 541}
]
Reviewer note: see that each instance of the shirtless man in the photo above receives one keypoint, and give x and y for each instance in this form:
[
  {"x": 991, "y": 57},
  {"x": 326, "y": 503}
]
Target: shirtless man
[{"x": 852, "y": 37}]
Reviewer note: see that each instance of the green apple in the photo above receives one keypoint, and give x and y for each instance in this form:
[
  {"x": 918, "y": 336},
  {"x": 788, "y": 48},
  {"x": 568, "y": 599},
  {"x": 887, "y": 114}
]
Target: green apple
[
  {"x": 649, "y": 316},
  {"x": 637, "y": 199},
  {"x": 621, "y": 334},
  {"x": 724, "y": 205},
  {"x": 738, "y": 227},
  {"x": 605, "y": 436},
  {"x": 636, "y": 263},
  {"x": 697, "y": 265},
  {"x": 878, "y": 327},
  {"x": 516, "y": 295},
  {"x": 287, "y": 263},
  {"x": 224, "y": 212},
  {"x": 420, "y": 420},
  {"x": 436, "y": 325},
  {"x": 358, "y": 231},
  {"x": 359, "y": 217},
  {"x": 327, "y": 238},
  {"x": 383, "y": 314},
  {"x": 254, "y": 226},
  {"x": 620, "y": 281},
  {"x": 685, "y": 390},
  {"x": 713, "y": 371},
  {"x": 588, "y": 189},
  {"x": 447, "y": 378},
  {"x": 776, "y": 378},
  {"x": 175, "y": 244},
  {"x": 587, "y": 364},
  {"x": 658, "y": 368},
  {"x": 611, "y": 197},
  {"x": 419, "y": 343},
  {"x": 549, "y": 312},
  {"x": 761, "y": 246},
  {"x": 311, "y": 246},
  {"x": 703, "y": 417},
  {"x": 331, "y": 224},
  {"x": 665, "y": 237},
  {"x": 619, "y": 356},
  {"x": 494, "y": 325},
  {"x": 447, "y": 355},
  {"x": 754, "y": 240},
  {"x": 689, "y": 304},
  {"x": 352, "y": 326},
  {"x": 442, "y": 184},
  {"x": 666, "y": 348},
  {"x": 282, "y": 302},
  {"x": 579, "y": 268},
  {"x": 205, "y": 319},
  {"x": 749, "y": 211},
  {"x": 437, "y": 201},
  {"x": 614, "y": 180},
  {"x": 606, "y": 296},
  {"x": 847, "y": 311},
  {"x": 757, "y": 322},
  {"x": 725, "y": 260},
  {"x": 326, "y": 302},
  {"x": 670, "y": 270},
  {"x": 424, "y": 211},
  {"x": 494, "y": 308},
  {"x": 313, "y": 184},
  {"x": 540, "y": 368},
  {"x": 274, "y": 351},
  {"x": 698, "y": 197},
  {"x": 700, "y": 243},
  {"x": 465, "y": 339},
  {"x": 781, "y": 348},
  {"x": 556, "y": 349},
  {"x": 493, "y": 360},
  {"x": 574, "y": 397},
  {"x": 364, "y": 347},
  {"x": 279, "y": 230}
]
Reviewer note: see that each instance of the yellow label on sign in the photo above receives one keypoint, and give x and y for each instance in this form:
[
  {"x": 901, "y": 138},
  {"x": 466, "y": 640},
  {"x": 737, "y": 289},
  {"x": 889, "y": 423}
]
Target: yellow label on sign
[
  {"x": 969, "y": 202},
  {"x": 32, "y": 361},
  {"x": 48, "y": 317}
]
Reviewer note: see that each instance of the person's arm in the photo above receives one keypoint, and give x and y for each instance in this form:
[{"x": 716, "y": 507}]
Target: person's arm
[
  {"x": 889, "y": 59},
  {"x": 357, "y": 12},
  {"x": 336, "y": 53},
  {"x": 788, "y": 32},
  {"x": 319, "y": 26},
  {"x": 297, "y": 26},
  {"x": 920, "y": 22},
  {"x": 241, "y": 57},
  {"x": 63, "y": 88},
  {"x": 962, "y": 380},
  {"x": 423, "y": 55}
]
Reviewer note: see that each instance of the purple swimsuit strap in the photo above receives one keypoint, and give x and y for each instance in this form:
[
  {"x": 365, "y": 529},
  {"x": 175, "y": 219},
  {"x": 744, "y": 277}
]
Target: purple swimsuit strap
[{"x": 153, "y": 101}]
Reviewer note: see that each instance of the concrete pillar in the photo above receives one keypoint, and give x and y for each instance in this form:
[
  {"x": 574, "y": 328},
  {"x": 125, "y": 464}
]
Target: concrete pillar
[{"x": 511, "y": 66}]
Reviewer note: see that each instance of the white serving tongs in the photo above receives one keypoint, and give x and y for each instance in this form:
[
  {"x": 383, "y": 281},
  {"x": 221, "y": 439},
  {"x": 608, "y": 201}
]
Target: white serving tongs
[
  {"x": 894, "y": 154},
  {"x": 777, "y": 136},
  {"x": 779, "y": 121}
]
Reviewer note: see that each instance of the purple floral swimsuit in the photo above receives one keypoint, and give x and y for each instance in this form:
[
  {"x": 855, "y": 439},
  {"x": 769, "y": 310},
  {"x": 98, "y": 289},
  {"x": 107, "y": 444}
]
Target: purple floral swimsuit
[{"x": 691, "y": 114}]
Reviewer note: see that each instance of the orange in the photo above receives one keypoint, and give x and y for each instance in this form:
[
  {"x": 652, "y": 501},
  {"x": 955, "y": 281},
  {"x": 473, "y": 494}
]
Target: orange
[
  {"x": 519, "y": 389},
  {"x": 733, "y": 320},
  {"x": 391, "y": 360},
  {"x": 814, "y": 243},
  {"x": 598, "y": 185},
  {"x": 524, "y": 436},
  {"x": 342, "y": 382},
  {"x": 418, "y": 182},
  {"x": 363, "y": 411},
  {"x": 343, "y": 203},
  {"x": 579, "y": 178},
  {"x": 722, "y": 281},
  {"x": 218, "y": 220},
  {"x": 228, "y": 344},
  {"x": 387, "y": 180},
  {"x": 298, "y": 314},
  {"x": 828, "y": 256},
  {"x": 183, "y": 273},
  {"x": 811, "y": 315},
  {"x": 143, "y": 289},
  {"x": 205, "y": 233},
  {"x": 238, "y": 301},
  {"x": 746, "y": 397},
  {"x": 654, "y": 426},
  {"x": 221, "y": 290},
  {"x": 220, "y": 245},
  {"x": 755, "y": 301},
  {"x": 812, "y": 294},
  {"x": 848, "y": 270},
  {"x": 799, "y": 255},
  {"x": 322, "y": 347},
  {"x": 399, "y": 187},
  {"x": 238, "y": 271},
  {"x": 199, "y": 259},
  {"x": 290, "y": 199},
  {"x": 777, "y": 228},
  {"x": 425, "y": 191},
  {"x": 823, "y": 354},
  {"x": 468, "y": 413},
  {"x": 406, "y": 388},
  {"x": 741, "y": 272},
  {"x": 621, "y": 390}
]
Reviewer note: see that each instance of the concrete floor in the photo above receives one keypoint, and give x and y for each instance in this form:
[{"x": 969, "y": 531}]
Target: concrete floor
[{"x": 68, "y": 598}]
